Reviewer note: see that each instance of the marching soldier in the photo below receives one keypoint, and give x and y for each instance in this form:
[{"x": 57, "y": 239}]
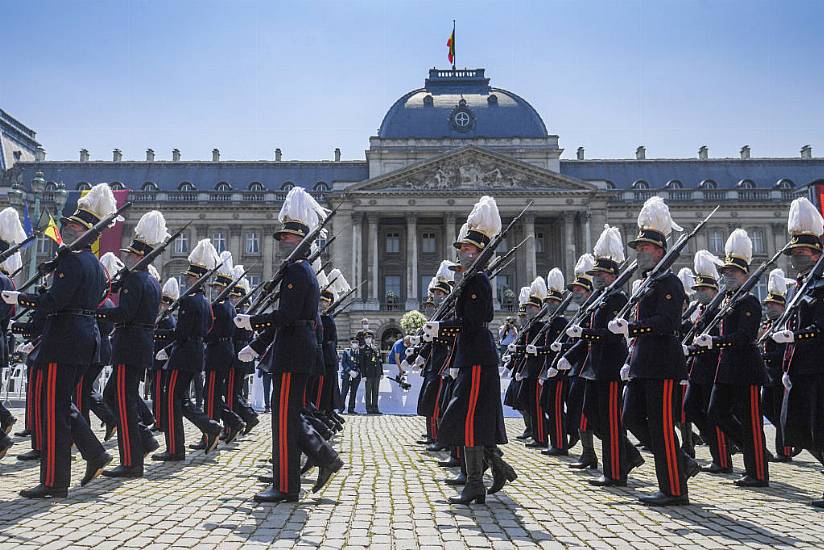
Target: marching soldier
[
  {"x": 325, "y": 387},
  {"x": 293, "y": 355},
  {"x": 513, "y": 361},
  {"x": 773, "y": 354},
  {"x": 474, "y": 416},
  {"x": 530, "y": 390},
  {"x": 236, "y": 399},
  {"x": 702, "y": 363},
  {"x": 69, "y": 344},
  {"x": 186, "y": 360},
  {"x": 735, "y": 403},
  {"x": 652, "y": 401},
  {"x": 804, "y": 375},
  {"x": 163, "y": 335},
  {"x": 133, "y": 344}
]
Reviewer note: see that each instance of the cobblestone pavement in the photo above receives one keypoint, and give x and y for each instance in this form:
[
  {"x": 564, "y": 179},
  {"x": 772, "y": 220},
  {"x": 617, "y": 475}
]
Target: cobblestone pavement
[{"x": 388, "y": 496}]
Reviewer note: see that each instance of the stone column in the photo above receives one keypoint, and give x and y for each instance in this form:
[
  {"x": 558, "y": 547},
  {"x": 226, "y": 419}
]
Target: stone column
[
  {"x": 374, "y": 253},
  {"x": 449, "y": 236},
  {"x": 411, "y": 262},
  {"x": 570, "y": 255},
  {"x": 529, "y": 229},
  {"x": 357, "y": 219},
  {"x": 268, "y": 250},
  {"x": 587, "y": 230}
]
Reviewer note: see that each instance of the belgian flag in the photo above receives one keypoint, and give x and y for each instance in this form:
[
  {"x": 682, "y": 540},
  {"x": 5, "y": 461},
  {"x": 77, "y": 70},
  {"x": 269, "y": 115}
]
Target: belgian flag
[{"x": 451, "y": 45}]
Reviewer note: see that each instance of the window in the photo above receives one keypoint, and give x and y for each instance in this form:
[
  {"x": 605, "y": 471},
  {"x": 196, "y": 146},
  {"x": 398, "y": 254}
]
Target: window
[
  {"x": 287, "y": 186},
  {"x": 83, "y": 186},
  {"x": 424, "y": 288},
  {"x": 429, "y": 243},
  {"x": 758, "y": 241},
  {"x": 321, "y": 187},
  {"x": 223, "y": 187},
  {"x": 539, "y": 242},
  {"x": 149, "y": 186},
  {"x": 716, "y": 242},
  {"x": 252, "y": 242},
  {"x": 182, "y": 244},
  {"x": 503, "y": 285},
  {"x": 256, "y": 187},
  {"x": 393, "y": 243},
  {"x": 392, "y": 289},
  {"x": 760, "y": 289},
  {"x": 746, "y": 184},
  {"x": 44, "y": 245},
  {"x": 321, "y": 242},
  {"x": 181, "y": 281},
  {"x": 254, "y": 280},
  {"x": 708, "y": 184},
  {"x": 674, "y": 184},
  {"x": 116, "y": 186},
  {"x": 219, "y": 241},
  {"x": 503, "y": 246},
  {"x": 640, "y": 185},
  {"x": 186, "y": 186},
  {"x": 785, "y": 184}
]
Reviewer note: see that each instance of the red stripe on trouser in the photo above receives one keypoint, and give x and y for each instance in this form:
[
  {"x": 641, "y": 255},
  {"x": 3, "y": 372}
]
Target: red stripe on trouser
[
  {"x": 320, "y": 391},
  {"x": 669, "y": 442},
  {"x": 285, "y": 386},
  {"x": 539, "y": 414},
  {"x": 758, "y": 443},
  {"x": 79, "y": 395},
  {"x": 469, "y": 427},
  {"x": 788, "y": 451},
  {"x": 38, "y": 412},
  {"x": 683, "y": 410},
  {"x": 613, "y": 430},
  {"x": 157, "y": 395},
  {"x": 582, "y": 425},
  {"x": 722, "y": 448},
  {"x": 170, "y": 411},
  {"x": 210, "y": 408},
  {"x": 29, "y": 401},
  {"x": 436, "y": 412},
  {"x": 51, "y": 379},
  {"x": 123, "y": 429},
  {"x": 230, "y": 391},
  {"x": 559, "y": 406}
]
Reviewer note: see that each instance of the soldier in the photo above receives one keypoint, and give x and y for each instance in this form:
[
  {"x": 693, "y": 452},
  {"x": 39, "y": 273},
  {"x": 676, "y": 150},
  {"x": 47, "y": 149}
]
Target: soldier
[
  {"x": 804, "y": 375},
  {"x": 371, "y": 368},
  {"x": 163, "y": 335},
  {"x": 529, "y": 392},
  {"x": 350, "y": 374},
  {"x": 293, "y": 357},
  {"x": 473, "y": 418},
  {"x": 773, "y": 354},
  {"x": 702, "y": 363},
  {"x": 70, "y": 341},
  {"x": 236, "y": 399},
  {"x": 514, "y": 362},
  {"x": 324, "y": 387},
  {"x": 606, "y": 354},
  {"x": 652, "y": 401},
  {"x": 185, "y": 360},
  {"x": 735, "y": 403}
]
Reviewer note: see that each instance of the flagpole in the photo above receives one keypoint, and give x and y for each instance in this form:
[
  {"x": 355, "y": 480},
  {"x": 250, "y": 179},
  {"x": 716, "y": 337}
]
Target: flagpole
[{"x": 454, "y": 49}]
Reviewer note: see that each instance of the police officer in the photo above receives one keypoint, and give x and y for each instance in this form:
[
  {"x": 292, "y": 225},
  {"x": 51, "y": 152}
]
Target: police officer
[
  {"x": 70, "y": 341},
  {"x": 350, "y": 374},
  {"x": 186, "y": 360},
  {"x": 371, "y": 369}
]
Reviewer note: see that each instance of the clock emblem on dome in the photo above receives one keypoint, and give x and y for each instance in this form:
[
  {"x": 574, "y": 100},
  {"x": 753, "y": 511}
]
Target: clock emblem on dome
[{"x": 462, "y": 118}]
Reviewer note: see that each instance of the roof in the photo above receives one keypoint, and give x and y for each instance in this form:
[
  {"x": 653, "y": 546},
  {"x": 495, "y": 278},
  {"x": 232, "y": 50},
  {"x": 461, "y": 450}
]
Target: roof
[
  {"x": 726, "y": 173},
  {"x": 428, "y": 112}
]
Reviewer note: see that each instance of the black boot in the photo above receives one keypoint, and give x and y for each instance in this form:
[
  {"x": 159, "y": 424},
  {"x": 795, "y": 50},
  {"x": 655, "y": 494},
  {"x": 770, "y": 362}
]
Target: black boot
[
  {"x": 273, "y": 495},
  {"x": 124, "y": 471},
  {"x": 660, "y": 499},
  {"x": 41, "y": 491},
  {"x": 5, "y": 445},
  {"x": 308, "y": 465},
  {"x": 110, "y": 429},
  {"x": 474, "y": 490},
  {"x": 501, "y": 470},
  {"x": 687, "y": 445},
  {"x": 95, "y": 467},
  {"x": 34, "y": 454},
  {"x": 212, "y": 436},
  {"x": 7, "y": 424},
  {"x": 588, "y": 458},
  {"x": 451, "y": 463},
  {"x": 460, "y": 479},
  {"x": 325, "y": 474},
  {"x": 254, "y": 421}
]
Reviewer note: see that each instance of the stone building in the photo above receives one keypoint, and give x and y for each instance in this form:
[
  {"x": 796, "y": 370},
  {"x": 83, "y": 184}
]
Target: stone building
[{"x": 437, "y": 150}]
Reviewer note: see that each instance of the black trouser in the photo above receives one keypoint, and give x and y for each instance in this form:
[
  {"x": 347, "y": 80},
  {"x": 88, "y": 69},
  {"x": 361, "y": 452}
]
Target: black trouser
[
  {"x": 535, "y": 410},
  {"x": 651, "y": 408},
  {"x": 267, "y": 388},
  {"x": 197, "y": 380},
  {"x": 803, "y": 415},
  {"x": 603, "y": 405},
  {"x": 87, "y": 399},
  {"x": 287, "y": 401},
  {"x": 556, "y": 390},
  {"x": 34, "y": 405},
  {"x": 349, "y": 385},
  {"x": 696, "y": 403},
  {"x": 62, "y": 425},
  {"x": 126, "y": 383},
  {"x": 773, "y": 398},
  {"x": 235, "y": 400},
  {"x": 177, "y": 405},
  {"x": 737, "y": 410},
  {"x": 371, "y": 395},
  {"x": 216, "y": 408},
  {"x": 157, "y": 381},
  {"x": 576, "y": 419},
  {"x": 30, "y": 385}
]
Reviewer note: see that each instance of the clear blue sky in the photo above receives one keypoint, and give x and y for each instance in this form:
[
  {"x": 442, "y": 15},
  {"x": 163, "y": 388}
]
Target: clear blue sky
[{"x": 249, "y": 76}]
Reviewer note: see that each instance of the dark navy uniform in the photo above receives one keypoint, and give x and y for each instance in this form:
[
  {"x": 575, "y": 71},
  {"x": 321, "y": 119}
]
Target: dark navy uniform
[
  {"x": 163, "y": 335},
  {"x": 132, "y": 354},
  {"x": 433, "y": 372},
  {"x": 32, "y": 332},
  {"x": 70, "y": 343},
  {"x": 236, "y": 388},
  {"x": 652, "y": 402},
  {"x": 772, "y": 394},
  {"x": 325, "y": 385},
  {"x": 349, "y": 362},
  {"x": 735, "y": 404},
  {"x": 87, "y": 398},
  {"x": 529, "y": 392},
  {"x": 553, "y": 390},
  {"x": 220, "y": 354}
]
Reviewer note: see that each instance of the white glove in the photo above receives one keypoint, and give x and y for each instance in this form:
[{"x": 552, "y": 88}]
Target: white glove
[
  {"x": 541, "y": 381},
  {"x": 431, "y": 328},
  {"x": 243, "y": 321},
  {"x": 11, "y": 297},
  {"x": 619, "y": 326},
  {"x": 519, "y": 376},
  {"x": 247, "y": 354},
  {"x": 511, "y": 348},
  {"x": 555, "y": 346},
  {"x": 704, "y": 340},
  {"x": 684, "y": 382},
  {"x": 25, "y": 348},
  {"x": 531, "y": 350},
  {"x": 785, "y": 379},
  {"x": 453, "y": 373},
  {"x": 686, "y": 350},
  {"x": 552, "y": 372},
  {"x": 625, "y": 373},
  {"x": 563, "y": 364},
  {"x": 353, "y": 374},
  {"x": 409, "y": 352},
  {"x": 574, "y": 331},
  {"x": 419, "y": 362},
  {"x": 404, "y": 365},
  {"x": 416, "y": 340},
  {"x": 427, "y": 337},
  {"x": 162, "y": 355},
  {"x": 784, "y": 337}
]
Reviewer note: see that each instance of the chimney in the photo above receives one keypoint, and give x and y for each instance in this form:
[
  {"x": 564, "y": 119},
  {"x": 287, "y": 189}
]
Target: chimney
[
  {"x": 806, "y": 152},
  {"x": 278, "y": 155},
  {"x": 84, "y": 155},
  {"x": 580, "y": 153},
  {"x": 703, "y": 152},
  {"x": 215, "y": 155},
  {"x": 337, "y": 154},
  {"x": 745, "y": 152},
  {"x": 149, "y": 155},
  {"x": 175, "y": 155},
  {"x": 40, "y": 154},
  {"x": 641, "y": 153},
  {"x": 117, "y": 155}
]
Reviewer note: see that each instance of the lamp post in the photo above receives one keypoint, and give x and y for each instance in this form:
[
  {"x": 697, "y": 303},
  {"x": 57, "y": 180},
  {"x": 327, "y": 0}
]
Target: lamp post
[{"x": 19, "y": 197}]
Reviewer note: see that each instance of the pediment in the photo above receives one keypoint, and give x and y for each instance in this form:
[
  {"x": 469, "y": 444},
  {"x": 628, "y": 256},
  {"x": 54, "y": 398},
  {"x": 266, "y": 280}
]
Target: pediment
[{"x": 471, "y": 169}]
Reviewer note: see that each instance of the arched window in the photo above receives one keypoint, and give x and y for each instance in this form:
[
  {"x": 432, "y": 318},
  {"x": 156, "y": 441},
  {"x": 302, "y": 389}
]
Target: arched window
[
  {"x": 50, "y": 187},
  {"x": 149, "y": 186},
  {"x": 708, "y": 184},
  {"x": 223, "y": 186},
  {"x": 287, "y": 186},
  {"x": 640, "y": 185},
  {"x": 84, "y": 186},
  {"x": 675, "y": 184},
  {"x": 785, "y": 184},
  {"x": 321, "y": 186},
  {"x": 116, "y": 186},
  {"x": 186, "y": 186},
  {"x": 427, "y": 100},
  {"x": 257, "y": 187},
  {"x": 746, "y": 184}
]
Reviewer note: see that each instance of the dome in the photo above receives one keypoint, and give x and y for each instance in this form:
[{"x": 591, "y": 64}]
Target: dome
[{"x": 461, "y": 104}]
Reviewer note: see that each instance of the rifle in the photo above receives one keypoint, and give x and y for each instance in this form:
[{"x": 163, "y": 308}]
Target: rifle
[
  {"x": 299, "y": 251},
  {"x": 333, "y": 308},
  {"x": 690, "y": 310},
  {"x": 810, "y": 282},
  {"x": 559, "y": 311},
  {"x": 248, "y": 296},
  {"x": 342, "y": 308},
  {"x": 578, "y": 317},
  {"x": 189, "y": 291},
  {"x": 88, "y": 237},
  {"x": 276, "y": 295},
  {"x": 225, "y": 292},
  {"x": 120, "y": 276},
  {"x": 505, "y": 257},
  {"x": 742, "y": 291},
  {"x": 662, "y": 267},
  {"x": 400, "y": 381},
  {"x": 492, "y": 273},
  {"x": 9, "y": 252}
]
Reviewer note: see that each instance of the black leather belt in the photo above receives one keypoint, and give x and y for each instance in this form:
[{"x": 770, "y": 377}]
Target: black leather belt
[
  {"x": 135, "y": 325},
  {"x": 83, "y": 312},
  {"x": 213, "y": 340}
]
